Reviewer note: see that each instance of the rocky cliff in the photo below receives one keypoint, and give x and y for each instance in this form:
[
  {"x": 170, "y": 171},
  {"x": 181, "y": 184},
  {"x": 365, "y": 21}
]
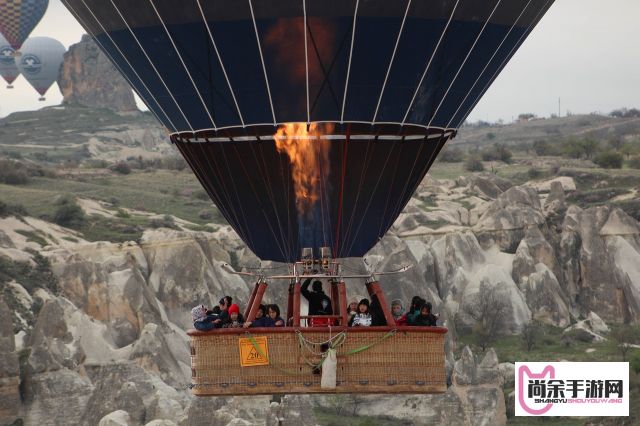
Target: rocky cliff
[
  {"x": 87, "y": 77},
  {"x": 98, "y": 328}
]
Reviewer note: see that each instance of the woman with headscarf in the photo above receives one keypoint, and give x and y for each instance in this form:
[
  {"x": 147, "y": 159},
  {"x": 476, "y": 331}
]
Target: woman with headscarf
[{"x": 397, "y": 310}]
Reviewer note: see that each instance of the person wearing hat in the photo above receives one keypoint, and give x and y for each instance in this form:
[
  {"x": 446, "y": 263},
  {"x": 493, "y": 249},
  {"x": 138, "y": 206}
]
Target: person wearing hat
[
  {"x": 235, "y": 317},
  {"x": 352, "y": 308},
  {"x": 319, "y": 303},
  {"x": 363, "y": 317},
  {"x": 425, "y": 318},
  {"x": 204, "y": 319},
  {"x": 397, "y": 310}
]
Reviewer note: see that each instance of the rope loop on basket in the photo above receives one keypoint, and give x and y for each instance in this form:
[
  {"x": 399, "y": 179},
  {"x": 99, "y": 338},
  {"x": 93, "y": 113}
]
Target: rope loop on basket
[{"x": 333, "y": 342}]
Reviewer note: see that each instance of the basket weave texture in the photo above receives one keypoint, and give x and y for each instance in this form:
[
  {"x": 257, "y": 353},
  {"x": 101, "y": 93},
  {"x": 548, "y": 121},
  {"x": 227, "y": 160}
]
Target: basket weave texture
[{"x": 384, "y": 360}]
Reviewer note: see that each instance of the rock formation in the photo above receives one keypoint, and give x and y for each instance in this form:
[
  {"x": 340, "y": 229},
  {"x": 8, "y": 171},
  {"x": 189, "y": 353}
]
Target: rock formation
[
  {"x": 475, "y": 398},
  {"x": 87, "y": 77},
  {"x": 106, "y": 344},
  {"x": 9, "y": 368}
]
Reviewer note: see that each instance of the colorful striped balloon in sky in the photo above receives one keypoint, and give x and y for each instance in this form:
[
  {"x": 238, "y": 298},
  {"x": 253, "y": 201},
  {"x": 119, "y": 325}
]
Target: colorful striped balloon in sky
[
  {"x": 8, "y": 70},
  {"x": 19, "y": 17}
]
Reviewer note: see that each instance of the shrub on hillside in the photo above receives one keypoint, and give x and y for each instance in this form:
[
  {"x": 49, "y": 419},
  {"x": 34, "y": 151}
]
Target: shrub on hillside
[
  {"x": 473, "y": 163},
  {"x": 634, "y": 162},
  {"x": 609, "y": 160},
  {"x": 579, "y": 148},
  {"x": 97, "y": 164},
  {"x": 13, "y": 173},
  {"x": 534, "y": 173},
  {"x": 12, "y": 210},
  {"x": 635, "y": 362},
  {"x": 451, "y": 155},
  {"x": 69, "y": 215},
  {"x": 122, "y": 168},
  {"x": 497, "y": 152},
  {"x": 166, "y": 222},
  {"x": 205, "y": 214},
  {"x": 543, "y": 147}
]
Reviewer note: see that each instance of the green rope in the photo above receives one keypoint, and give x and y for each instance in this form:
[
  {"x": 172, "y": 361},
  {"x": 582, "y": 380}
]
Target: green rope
[
  {"x": 365, "y": 347},
  {"x": 334, "y": 343}
]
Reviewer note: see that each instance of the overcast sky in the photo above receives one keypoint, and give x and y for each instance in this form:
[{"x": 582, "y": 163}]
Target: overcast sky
[{"x": 585, "y": 52}]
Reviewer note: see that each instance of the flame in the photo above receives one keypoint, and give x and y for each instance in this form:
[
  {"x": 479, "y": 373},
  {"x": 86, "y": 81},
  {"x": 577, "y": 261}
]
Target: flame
[{"x": 309, "y": 158}]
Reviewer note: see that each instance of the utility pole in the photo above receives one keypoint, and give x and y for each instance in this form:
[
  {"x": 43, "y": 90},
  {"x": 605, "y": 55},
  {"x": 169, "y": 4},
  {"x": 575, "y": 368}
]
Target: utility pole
[{"x": 559, "y": 115}]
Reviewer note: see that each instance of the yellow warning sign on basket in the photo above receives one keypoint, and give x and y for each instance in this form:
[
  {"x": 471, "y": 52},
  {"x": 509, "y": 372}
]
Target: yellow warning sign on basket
[{"x": 254, "y": 351}]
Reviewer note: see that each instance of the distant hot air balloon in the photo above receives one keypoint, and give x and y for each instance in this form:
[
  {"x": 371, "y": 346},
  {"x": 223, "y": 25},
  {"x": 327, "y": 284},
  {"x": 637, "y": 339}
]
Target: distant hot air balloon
[
  {"x": 19, "y": 17},
  {"x": 40, "y": 62},
  {"x": 8, "y": 69}
]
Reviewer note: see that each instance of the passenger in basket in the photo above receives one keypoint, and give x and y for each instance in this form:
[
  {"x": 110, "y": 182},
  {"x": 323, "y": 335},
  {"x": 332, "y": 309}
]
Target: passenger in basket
[
  {"x": 375, "y": 309},
  {"x": 261, "y": 320},
  {"x": 203, "y": 319},
  {"x": 397, "y": 310},
  {"x": 274, "y": 315},
  {"x": 235, "y": 317},
  {"x": 352, "y": 309},
  {"x": 223, "y": 305},
  {"x": 363, "y": 317},
  {"x": 319, "y": 303},
  {"x": 425, "y": 318},
  {"x": 414, "y": 310}
]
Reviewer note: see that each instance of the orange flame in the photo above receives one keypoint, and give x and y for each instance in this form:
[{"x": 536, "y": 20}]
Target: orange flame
[{"x": 309, "y": 158}]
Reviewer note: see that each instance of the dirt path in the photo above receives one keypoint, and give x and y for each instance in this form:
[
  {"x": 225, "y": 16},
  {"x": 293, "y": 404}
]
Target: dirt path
[{"x": 604, "y": 126}]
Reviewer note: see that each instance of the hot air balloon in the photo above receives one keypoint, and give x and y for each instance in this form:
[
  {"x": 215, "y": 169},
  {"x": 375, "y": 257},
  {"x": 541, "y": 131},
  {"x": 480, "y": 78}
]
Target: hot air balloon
[
  {"x": 8, "y": 69},
  {"x": 19, "y": 17},
  {"x": 310, "y": 123},
  {"x": 40, "y": 62}
]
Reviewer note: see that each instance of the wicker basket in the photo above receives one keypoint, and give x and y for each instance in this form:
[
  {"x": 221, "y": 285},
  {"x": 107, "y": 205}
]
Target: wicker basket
[{"x": 370, "y": 360}]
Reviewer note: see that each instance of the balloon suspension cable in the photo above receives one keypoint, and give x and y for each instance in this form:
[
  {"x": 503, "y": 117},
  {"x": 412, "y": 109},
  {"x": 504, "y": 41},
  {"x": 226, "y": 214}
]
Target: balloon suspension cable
[{"x": 297, "y": 275}]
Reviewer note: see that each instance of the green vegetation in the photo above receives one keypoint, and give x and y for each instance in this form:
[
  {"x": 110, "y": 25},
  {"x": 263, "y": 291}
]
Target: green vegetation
[
  {"x": 138, "y": 190},
  {"x": 473, "y": 163},
  {"x": 555, "y": 421},
  {"x": 122, "y": 168},
  {"x": 634, "y": 162},
  {"x": 327, "y": 417},
  {"x": 497, "y": 152},
  {"x": 451, "y": 154},
  {"x": 33, "y": 237},
  {"x": 609, "y": 160},
  {"x": 11, "y": 210},
  {"x": 551, "y": 345},
  {"x": 28, "y": 276},
  {"x": 100, "y": 228},
  {"x": 166, "y": 222},
  {"x": 122, "y": 214},
  {"x": 69, "y": 214}
]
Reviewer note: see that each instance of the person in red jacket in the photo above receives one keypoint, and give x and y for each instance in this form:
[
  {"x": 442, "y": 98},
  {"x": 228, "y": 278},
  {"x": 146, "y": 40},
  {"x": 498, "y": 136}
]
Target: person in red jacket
[{"x": 397, "y": 310}]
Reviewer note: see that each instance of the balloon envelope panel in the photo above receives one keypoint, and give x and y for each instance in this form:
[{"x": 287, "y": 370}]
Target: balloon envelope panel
[
  {"x": 40, "y": 62},
  {"x": 19, "y": 17},
  {"x": 226, "y": 63},
  {"x": 391, "y": 80},
  {"x": 8, "y": 69},
  {"x": 364, "y": 184}
]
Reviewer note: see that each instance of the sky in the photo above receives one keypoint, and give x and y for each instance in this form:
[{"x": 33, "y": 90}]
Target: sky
[{"x": 584, "y": 53}]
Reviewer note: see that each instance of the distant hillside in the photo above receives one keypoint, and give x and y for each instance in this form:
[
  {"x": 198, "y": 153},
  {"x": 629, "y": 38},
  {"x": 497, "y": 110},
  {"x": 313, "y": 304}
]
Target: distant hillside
[
  {"x": 61, "y": 133},
  {"x": 596, "y": 126}
]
